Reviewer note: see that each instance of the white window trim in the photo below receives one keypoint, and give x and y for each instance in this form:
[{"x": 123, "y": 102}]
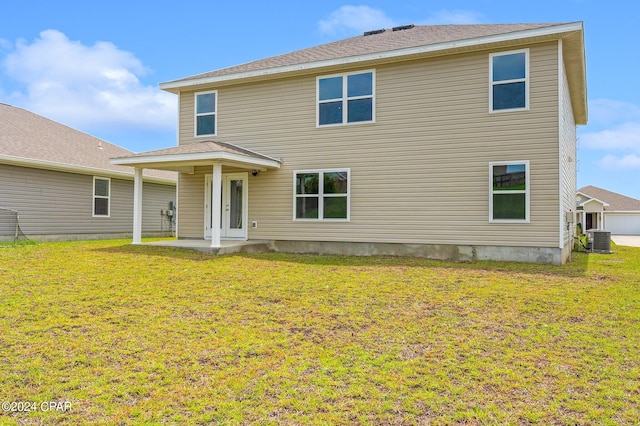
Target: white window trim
[
  {"x": 321, "y": 195},
  {"x": 196, "y": 115},
  {"x": 345, "y": 98},
  {"x": 527, "y": 191},
  {"x": 517, "y": 80},
  {"x": 93, "y": 198}
]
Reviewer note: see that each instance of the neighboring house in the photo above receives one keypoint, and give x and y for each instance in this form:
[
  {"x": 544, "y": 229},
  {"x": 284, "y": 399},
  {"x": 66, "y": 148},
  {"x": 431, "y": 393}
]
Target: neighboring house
[
  {"x": 452, "y": 141},
  {"x": 598, "y": 208},
  {"x": 63, "y": 186}
]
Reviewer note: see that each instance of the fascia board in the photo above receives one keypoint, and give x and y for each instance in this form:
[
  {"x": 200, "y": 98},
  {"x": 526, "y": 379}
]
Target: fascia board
[
  {"x": 194, "y": 157},
  {"x": 537, "y": 32}
]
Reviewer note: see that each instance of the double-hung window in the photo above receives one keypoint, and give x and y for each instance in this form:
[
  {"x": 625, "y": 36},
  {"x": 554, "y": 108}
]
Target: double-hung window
[
  {"x": 206, "y": 107},
  {"x": 346, "y": 98},
  {"x": 509, "y": 77},
  {"x": 321, "y": 194},
  {"x": 101, "y": 196},
  {"x": 509, "y": 191}
]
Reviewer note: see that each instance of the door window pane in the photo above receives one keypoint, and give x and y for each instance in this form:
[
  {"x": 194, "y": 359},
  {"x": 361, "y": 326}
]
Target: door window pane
[{"x": 235, "y": 204}]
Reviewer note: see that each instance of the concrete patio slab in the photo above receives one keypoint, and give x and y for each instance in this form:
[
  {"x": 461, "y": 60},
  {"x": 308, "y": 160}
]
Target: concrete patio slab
[{"x": 228, "y": 246}]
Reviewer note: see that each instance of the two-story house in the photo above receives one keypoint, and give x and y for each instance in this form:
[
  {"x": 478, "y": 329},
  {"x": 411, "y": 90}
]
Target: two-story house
[{"x": 452, "y": 141}]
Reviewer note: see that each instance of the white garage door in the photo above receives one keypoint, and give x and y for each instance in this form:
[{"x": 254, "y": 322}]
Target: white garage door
[{"x": 623, "y": 223}]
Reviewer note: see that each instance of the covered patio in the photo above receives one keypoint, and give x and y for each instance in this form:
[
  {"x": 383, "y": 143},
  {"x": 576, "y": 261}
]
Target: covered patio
[{"x": 184, "y": 159}]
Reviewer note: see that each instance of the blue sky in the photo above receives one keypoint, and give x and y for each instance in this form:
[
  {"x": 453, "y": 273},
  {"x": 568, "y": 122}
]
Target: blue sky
[{"x": 95, "y": 66}]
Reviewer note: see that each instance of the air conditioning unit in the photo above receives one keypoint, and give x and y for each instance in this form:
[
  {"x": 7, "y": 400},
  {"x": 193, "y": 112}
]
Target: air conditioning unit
[{"x": 601, "y": 241}]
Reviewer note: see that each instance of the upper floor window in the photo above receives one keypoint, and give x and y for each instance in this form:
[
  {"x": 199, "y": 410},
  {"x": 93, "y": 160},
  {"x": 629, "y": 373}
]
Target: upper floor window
[
  {"x": 509, "y": 191},
  {"x": 206, "y": 107},
  {"x": 101, "y": 196},
  {"x": 321, "y": 194},
  {"x": 509, "y": 75},
  {"x": 346, "y": 98}
]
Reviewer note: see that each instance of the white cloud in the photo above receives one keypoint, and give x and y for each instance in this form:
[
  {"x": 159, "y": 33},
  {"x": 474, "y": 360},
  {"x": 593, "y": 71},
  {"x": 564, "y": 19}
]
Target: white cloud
[
  {"x": 86, "y": 86},
  {"x": 627, "y": 162},
  {"x": 458, "y": 17},
  {"x": 624, "y": 136},
  {"x": 355, "y": 20},
  {"x": 611, "y": 111}
]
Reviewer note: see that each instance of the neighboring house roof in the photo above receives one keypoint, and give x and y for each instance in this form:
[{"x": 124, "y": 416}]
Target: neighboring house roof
[
  {"x": 613, "y": 201},
  {"x": 31, "y": 140},
  {"x": 405, "y": 43},
  {"x": 198, "y": 153}
]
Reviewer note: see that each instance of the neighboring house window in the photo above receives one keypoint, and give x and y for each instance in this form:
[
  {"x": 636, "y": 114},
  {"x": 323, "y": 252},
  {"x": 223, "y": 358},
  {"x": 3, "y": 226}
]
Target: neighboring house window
[
  {"x": 101, "y": 196},
  {"x": 346, "y": 98},
  {"x": 206, "y": 107},
  {"x": 509, "y": 76},
  {"x": 321, "y": 194},
  {"x": 509, "y": 191}
]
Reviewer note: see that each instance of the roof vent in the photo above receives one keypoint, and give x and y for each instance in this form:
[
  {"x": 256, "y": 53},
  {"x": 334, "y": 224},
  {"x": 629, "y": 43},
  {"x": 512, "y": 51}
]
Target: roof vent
[
  {"x": 403, "y": 27},
  {"x": 368, "y": 33}
]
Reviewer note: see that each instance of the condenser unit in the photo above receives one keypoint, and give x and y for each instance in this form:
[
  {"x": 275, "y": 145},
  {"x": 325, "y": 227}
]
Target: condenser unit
[{"x": 600, "y": 241}]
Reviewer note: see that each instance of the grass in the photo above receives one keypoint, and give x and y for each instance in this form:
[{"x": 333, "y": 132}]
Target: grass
[{"x": 149, "y": 335}]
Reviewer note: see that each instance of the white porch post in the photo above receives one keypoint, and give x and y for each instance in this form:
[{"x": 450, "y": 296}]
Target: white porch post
[
  {"x": 137, "y": 206},
  {"x": 216, "y": 205}
]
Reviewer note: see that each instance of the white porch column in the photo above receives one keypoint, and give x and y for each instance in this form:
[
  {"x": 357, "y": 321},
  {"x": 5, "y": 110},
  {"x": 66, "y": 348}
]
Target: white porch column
[
  {"x": 137, "y": 206},
  {"x": 216, "y": 205}
]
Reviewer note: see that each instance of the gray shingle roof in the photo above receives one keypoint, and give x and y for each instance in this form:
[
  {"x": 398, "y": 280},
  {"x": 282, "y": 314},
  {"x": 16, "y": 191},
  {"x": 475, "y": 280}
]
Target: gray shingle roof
[
  {"x": 388, "y": 40},
  {"x": 202, "y": 147},
  {"x": 29, "y": 136},
  {"x": 617, "y": 202}
]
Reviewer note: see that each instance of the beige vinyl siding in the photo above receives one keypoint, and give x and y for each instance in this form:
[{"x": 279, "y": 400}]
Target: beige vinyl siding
[
  {"x": 419, "y": 174},
  {"x": 59, "y": 203},
  {"x": 191, "y": 203},
  {"x": 567, "y": 154}
]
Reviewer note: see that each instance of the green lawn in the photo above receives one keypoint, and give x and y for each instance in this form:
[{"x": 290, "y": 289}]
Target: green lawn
[{"x": 148, "y": 335}]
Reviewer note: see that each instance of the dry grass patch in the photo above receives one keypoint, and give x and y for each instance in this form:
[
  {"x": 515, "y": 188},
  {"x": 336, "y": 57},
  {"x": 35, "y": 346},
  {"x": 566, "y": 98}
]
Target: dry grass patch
[{"x": 149, "y": 335}]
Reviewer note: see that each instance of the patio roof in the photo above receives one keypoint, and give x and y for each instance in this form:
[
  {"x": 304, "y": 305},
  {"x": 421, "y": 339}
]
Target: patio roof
[{"x": 184, "y": 157}]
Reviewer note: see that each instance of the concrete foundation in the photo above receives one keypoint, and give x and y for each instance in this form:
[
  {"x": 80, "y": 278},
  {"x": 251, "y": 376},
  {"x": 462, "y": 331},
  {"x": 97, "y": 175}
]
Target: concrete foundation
[
  {"x": 430, "y": 251},
  {"x": 546, "y": 255}
]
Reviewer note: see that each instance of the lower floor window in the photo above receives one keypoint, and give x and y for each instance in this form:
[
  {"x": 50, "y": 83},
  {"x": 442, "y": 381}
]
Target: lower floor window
[
  {"x": 321, "y": 194},
  {"x": 101, "y": 196},
  {"x": 509, "y": 191}
]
